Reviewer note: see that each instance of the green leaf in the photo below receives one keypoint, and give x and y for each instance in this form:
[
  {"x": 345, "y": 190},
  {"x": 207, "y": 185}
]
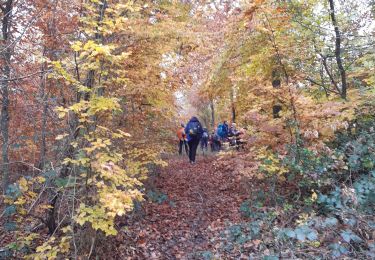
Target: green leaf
[
  {"x": 337, "y": 249},
  {"x": 330, "y": 222},
  {"x": 61, "y": 182},
  {"x": 290, "y": 233},
  {"x": 270, "y": 257},
  {"x": 312, "y": 235},
  {"x": 348, "y": 236},
  {"x": 10, "y": 226},
  {"x": 10, "y": 210},
  {"x": 300, "y": 234}
]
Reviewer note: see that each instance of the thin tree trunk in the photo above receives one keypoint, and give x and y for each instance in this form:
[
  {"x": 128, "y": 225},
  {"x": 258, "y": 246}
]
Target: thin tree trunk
[
  {"x": 43, "y": 130},
  {"x": 89, "y": 82},
  {"x": 5, "y": 60},
  {"x": 233, "y": 108},
  {"x": 338, "y": 49},
  {"x": 43, "y": 148},
  {"x": 212, "y": 106}
]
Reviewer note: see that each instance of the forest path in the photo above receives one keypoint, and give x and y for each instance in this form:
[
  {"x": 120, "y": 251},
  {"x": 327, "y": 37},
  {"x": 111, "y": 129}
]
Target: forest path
[{"x": 191, "y": 205}]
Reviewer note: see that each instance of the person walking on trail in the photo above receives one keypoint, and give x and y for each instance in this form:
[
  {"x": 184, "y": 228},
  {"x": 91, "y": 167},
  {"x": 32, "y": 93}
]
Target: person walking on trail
[
  {"x": 215, "y": 142},
  {"x": 226, "y": 129},
  {"x": 222, "y": 130},
  {"x": 233, "y": 136},
  {"x": 194, "y": 133},
  {"x": 233, "y": 130},
  {"x": 182, "y": 139},
  {"x": 204, "y": 140}
]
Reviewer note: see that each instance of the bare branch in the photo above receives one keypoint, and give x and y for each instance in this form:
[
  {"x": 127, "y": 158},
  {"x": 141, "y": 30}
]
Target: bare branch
[{"x": 26, "y": 76}]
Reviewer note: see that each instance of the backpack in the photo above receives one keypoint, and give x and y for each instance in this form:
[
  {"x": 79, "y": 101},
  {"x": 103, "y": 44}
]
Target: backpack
[
  {"x": 221, "y": 130},
  {"x": 205, "y": 135},
  {"x": 195, "y": 129}
]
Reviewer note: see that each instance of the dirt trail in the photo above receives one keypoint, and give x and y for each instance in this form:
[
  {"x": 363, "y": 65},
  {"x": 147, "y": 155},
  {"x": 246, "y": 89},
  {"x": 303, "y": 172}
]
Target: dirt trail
[{"x": 201, "y": 199}]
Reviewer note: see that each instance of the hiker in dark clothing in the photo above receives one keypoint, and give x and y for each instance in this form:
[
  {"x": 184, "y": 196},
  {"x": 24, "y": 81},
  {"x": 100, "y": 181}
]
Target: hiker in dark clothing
[
  {"x": 194, "y": 133},
  {"x": 226, "y": 127},
  {"x": 215, "y": 142},
  {"x": 204, "y": 140},
  {"x": 233, "y": 136}
]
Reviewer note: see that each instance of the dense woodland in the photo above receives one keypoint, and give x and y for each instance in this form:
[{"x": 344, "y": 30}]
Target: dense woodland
[{"x": 92, "y": 92}]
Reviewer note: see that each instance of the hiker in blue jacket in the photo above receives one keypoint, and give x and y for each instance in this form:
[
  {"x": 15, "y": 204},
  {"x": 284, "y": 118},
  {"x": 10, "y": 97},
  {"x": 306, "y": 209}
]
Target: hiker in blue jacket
[
  {"x": 194, "y": 133},
  {"x": 222, "y": 130}
]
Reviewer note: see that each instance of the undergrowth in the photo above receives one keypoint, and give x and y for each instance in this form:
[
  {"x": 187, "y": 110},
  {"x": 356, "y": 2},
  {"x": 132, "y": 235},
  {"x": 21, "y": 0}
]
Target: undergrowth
[{"x": 320, "y": 206}]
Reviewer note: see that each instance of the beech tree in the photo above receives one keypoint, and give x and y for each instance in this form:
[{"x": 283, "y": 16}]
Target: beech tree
[{"x": 6, "y": 60}]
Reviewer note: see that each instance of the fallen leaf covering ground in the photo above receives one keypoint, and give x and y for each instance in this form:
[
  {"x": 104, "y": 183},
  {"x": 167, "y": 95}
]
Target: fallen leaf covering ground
[
  {"x": 218, "y": 209},
  {"x": 192, "y": 205},
  {"x": 223, "y": 208}
]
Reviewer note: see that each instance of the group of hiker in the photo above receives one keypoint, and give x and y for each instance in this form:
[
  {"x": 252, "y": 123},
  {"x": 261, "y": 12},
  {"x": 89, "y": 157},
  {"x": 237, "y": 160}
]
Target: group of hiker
[{"x": 194, "y": 134}]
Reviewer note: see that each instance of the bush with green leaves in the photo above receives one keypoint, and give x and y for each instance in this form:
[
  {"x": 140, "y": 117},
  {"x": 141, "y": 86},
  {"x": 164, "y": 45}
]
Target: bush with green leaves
[{"x": 334, "y": 203}]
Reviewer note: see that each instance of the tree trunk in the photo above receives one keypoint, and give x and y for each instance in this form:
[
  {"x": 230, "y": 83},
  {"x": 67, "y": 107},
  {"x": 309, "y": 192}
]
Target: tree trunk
[
  {"x": 212, "y": 106},
  {"x": 233, "y": 108},
  {"x": 43, "y": 130},
  {"x": 338, "y": 50},
  {"x": 6, "y": 56}
]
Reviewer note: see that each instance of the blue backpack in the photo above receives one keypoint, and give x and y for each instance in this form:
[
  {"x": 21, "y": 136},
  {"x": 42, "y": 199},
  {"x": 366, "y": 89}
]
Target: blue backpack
[{"x": 221, "y": 130}]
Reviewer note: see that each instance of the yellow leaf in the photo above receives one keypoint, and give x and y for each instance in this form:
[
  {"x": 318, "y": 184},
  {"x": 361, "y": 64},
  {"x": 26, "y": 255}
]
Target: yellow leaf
[
  {"x": 60, "y": 137},
  {"x": 40, "y": 179},
  {"x": 23, "y": 184}
]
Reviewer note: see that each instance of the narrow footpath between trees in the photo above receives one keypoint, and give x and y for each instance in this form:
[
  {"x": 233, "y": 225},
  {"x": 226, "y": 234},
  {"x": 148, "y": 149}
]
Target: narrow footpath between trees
[{"x": 186, "y": 211}]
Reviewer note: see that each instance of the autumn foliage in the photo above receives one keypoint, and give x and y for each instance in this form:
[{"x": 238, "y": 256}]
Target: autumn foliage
[{"x": 92, "y": 93}]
